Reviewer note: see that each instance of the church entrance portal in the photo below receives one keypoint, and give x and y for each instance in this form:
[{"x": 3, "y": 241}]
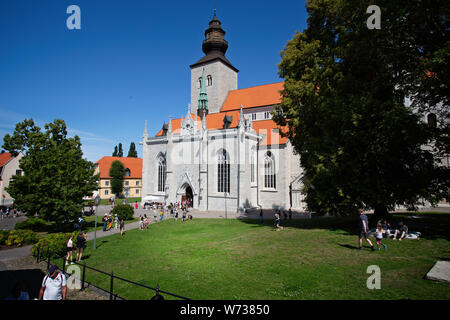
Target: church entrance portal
[{"x": 188, "y": 196}]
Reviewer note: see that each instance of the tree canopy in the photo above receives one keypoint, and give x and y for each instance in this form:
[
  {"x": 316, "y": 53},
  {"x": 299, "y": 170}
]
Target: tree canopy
[
  {"x": 117, "y": 172},
  {"x": 354, "y": 101},
  {"x": 55, "y": 176},
  {"x": 132, "y": 151},
  {"x": 120, "y": 152}
]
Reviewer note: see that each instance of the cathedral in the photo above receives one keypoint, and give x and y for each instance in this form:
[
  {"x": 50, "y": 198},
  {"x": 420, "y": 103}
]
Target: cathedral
[{"x": 226, "y": 153}]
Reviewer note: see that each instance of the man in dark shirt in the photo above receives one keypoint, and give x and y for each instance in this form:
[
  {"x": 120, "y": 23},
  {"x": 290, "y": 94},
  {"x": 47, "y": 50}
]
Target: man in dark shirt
[
  {"x": 402, "y": 230},
  {"x": 363, "y": 229}
]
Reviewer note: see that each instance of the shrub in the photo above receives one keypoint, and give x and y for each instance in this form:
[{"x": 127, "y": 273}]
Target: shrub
[
  {"x": 55, "y": 244},
  {"x": 19, "y": 237},
  {"x": 123, "y": 211},
  {"x": 4, "y": 234},
  {"x": 33, "y": 223}
]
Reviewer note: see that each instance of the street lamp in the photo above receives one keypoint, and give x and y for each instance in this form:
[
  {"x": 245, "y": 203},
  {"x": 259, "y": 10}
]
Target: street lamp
[{"x": 96, "y": 201}]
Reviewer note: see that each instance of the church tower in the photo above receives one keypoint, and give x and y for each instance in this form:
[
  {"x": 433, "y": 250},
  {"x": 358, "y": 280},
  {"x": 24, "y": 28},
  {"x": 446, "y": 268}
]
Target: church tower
[{"x": 218, "y": 75}]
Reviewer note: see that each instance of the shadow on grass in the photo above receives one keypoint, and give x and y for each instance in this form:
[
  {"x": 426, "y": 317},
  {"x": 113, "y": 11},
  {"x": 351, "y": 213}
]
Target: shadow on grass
[{"x": 431, "y": 225}]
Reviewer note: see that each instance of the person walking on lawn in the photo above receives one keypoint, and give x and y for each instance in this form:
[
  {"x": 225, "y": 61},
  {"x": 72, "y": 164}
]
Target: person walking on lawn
[
  {"x": 122, "y": 227},
  {"x": 363, "y": 229}
]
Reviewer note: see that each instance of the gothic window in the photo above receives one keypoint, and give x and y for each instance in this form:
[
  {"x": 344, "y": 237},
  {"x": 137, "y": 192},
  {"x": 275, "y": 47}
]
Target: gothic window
[
  {"x": 269, "y": 171},
  {"x": 199, "y": 82},
  {"x": 209, "y": 80},
  {"x": 161, "y": 174},
  {"x": 253, "y": 165},
  {"x": 432, "y": 120},
  {"x": 223, "y": 172}
]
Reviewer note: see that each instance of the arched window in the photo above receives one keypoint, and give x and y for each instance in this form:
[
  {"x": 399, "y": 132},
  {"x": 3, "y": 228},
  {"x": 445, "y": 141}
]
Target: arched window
[
  {"x": 127, "y": 172},
  {"x": 223, "y": 172},
  {"x": 161, "y": 174},
  {"x": 199, "y": 82},
  {"x": 432, "y": 120},
  {"x": 253, "y": 165},
  {"x": 209, "y": 80},
  {"x": 269, "y": 171}
]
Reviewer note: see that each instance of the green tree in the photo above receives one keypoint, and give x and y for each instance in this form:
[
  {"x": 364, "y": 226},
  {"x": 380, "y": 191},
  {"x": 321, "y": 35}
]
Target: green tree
[
  {"x": 132, "y": 151},
  {"x": 344, "y": 104},
  {"x": 55, "y": 176},
  {"x": 115, "y": 152},
  {"x": 117, "y": 172},
  {"x": 120, "y": 152}
]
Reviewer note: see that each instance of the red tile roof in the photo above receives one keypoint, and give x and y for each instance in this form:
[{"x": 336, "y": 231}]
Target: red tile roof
[
  {"x": 134, "y": 164},
  {"x": 4, "y": 158},
  {"x": 265, "y": 95},
  {"x": 214, "y": 121},
  {"x": 272, "y": 132}
]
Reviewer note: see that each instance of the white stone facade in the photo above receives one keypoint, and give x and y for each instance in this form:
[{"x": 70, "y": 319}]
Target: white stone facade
[{"x": 7, "y": 171}]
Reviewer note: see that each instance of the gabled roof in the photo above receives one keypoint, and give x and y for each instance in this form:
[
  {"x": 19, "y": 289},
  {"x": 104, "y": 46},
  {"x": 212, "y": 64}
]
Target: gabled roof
[
  {"x": 272, "y": 132},
  {"x": 215, "y": 56},
  {"x": 4, "y": 158},
  {"x": 265, "y": 95},
  {"x": 134, "y": 164}
]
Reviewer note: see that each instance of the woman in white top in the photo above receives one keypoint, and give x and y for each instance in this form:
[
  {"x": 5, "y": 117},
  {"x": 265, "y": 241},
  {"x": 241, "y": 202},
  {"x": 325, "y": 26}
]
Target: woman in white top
[{"x": 69, "y": 250}]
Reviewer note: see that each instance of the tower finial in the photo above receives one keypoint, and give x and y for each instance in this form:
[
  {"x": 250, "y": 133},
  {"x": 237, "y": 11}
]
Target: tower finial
[{"x": 214, "y": 8}]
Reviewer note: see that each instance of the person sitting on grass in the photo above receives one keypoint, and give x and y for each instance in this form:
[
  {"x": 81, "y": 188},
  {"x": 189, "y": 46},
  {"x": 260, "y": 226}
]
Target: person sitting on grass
[
  {"x": 379, "y": 235},
  {"x": 402, "y": 230},
  {"x": 277, "y": 221}
]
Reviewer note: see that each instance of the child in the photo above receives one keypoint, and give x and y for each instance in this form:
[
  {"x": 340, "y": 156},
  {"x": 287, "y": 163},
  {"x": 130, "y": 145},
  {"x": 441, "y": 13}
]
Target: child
[
  {"x": 69, "y": 250},
  {"x": 116, "y": 221},
  {"x": 379, "y": 235},
  {"x": 110, "y": 221}
]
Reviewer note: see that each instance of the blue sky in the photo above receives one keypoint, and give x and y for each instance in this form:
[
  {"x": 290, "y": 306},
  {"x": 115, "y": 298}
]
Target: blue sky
[{"x": 128, "y": 63}]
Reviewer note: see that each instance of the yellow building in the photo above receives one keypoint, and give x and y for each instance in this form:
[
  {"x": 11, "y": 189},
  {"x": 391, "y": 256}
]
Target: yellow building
[{"x": 132, "y": 181}]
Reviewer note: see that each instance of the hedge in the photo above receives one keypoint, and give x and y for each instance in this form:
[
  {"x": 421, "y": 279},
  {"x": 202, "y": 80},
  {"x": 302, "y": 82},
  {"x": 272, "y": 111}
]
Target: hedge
[
  {"x": 17, "y": 237},
  {"x": 123, "y": 211},
  {"x": 55, "y": 245}
]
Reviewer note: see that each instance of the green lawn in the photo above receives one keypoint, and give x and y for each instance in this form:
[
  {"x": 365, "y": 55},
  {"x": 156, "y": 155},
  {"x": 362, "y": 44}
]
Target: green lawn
[
  {"x": 239, "y": 259},
  {"x": 89, "y": 224},
  {"x": 104, "y": 202}
]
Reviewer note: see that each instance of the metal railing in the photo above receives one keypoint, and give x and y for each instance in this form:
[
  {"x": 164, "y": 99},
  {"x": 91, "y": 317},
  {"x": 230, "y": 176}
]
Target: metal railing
[{"x": 112, "y": 295}]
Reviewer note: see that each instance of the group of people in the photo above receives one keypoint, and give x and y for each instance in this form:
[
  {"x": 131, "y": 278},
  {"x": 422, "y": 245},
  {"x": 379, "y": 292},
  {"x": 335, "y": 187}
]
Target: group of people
[
  {"x": 108, "y": 220},
  {"x": 383, "y": 230},
  {"x": 7, "y": 212},
  {"x": 80, "y": 246},
  {"x": 160, "y": 212}
]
